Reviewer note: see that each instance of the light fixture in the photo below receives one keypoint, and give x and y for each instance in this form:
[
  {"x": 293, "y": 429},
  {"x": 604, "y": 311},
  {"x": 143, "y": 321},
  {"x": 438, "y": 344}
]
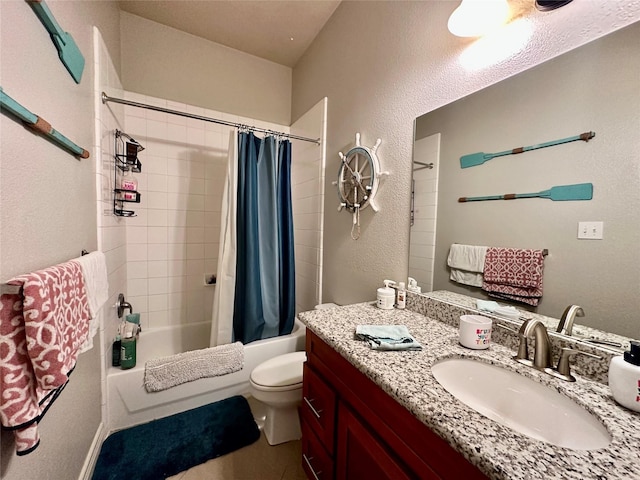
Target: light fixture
[
  {"x": 545, "y": 5},
  {"x": 474, "y": 18}
]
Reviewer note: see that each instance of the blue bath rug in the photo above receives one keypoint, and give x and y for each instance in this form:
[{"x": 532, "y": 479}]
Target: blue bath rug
[{"x": 170, "y": 445}]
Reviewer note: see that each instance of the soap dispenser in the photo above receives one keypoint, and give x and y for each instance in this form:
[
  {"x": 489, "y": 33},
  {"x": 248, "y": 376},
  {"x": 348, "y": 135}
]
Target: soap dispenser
[
  {"x": 386, "y": 295},
  {"x": 624, "y": 377}
]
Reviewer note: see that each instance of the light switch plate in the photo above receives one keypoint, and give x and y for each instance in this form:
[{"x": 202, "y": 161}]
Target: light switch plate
[{"x": 590, "y": 230}]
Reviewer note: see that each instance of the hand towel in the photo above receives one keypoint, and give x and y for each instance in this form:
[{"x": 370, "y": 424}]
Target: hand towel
[
  {"x": 467, "y": 264},
  {"x": 167, "y": 372},
  {"x": 387, "y": 337},
  {"x": 514, "y": 274},
  {"x": 41, "y": 330},
  {"x": 94, "y": 271}
]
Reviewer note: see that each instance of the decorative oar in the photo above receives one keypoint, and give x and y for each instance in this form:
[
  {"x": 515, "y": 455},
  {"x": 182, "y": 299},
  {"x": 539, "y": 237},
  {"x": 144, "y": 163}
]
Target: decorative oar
[
  {"x": 40, "y": 125},
  {"x": 579, "y": 191},
  {"x": 479, "y": 158},
  {"x": 68, "y": 51}
]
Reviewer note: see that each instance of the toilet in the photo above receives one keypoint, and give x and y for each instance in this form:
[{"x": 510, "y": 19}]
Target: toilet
[{"x": 277, "y": 383}]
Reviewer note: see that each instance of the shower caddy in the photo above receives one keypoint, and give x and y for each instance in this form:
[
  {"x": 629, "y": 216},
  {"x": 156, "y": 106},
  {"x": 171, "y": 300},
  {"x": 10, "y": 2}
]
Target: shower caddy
[
  {"x": 358, "y": 179},
  {"x": 126, "y": 158}
]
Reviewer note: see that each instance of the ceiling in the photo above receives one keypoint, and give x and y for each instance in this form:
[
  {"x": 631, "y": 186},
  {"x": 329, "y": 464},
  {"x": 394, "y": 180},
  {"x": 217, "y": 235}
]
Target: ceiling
[{"x": 276, "y": 30}]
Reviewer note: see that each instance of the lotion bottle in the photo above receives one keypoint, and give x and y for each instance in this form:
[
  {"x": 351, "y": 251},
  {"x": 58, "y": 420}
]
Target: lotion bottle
[
  {"x": 386, "y": 295},
  {"x": 624, "y": 377}
]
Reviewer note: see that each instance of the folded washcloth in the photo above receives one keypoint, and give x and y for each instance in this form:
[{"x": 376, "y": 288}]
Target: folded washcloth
[
  {"x": 387, "y": 337},
  {"x": 94, "y": 270},
  {"x": 487, "y": 305},
  {"x": 467, "y": 264},
  {"x": 166, "y": 372}
]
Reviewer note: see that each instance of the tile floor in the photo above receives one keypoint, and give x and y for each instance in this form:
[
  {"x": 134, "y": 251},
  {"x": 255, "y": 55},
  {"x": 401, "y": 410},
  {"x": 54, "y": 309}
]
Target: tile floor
[{"x": 258, "y": 461}]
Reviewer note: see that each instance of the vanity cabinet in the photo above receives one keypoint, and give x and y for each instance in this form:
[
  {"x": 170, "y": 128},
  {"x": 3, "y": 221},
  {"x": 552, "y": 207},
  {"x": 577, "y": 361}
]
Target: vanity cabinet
[{"x": 352, "y": 429}]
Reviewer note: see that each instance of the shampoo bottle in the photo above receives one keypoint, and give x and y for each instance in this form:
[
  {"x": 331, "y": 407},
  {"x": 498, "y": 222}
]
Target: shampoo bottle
[
  {"x": 117, "y": 345},
  {"x": 624, "y": 377},
  {"x": 128, "y": 349}
]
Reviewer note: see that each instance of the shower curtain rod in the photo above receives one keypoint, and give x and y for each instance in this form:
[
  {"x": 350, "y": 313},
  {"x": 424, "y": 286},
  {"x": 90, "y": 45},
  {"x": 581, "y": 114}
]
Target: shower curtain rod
[{"x": 106, "y": 98}]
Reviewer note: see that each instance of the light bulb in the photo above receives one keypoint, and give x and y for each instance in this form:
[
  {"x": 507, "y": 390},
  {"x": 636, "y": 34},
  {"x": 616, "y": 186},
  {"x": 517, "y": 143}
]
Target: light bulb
[{"x": 474, "y": 18}]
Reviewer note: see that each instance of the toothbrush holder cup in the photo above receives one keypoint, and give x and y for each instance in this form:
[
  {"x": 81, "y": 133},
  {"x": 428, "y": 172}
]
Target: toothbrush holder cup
[{"x": 475, "y": 331}]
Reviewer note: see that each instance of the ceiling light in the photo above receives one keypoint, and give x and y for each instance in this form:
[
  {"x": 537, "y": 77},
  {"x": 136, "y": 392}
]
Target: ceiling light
[{"x": 474, "y": 18}]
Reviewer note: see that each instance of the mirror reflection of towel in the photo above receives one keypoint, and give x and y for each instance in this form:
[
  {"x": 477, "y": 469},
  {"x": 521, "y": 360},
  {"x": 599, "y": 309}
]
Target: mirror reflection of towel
[
  {"x": 514, "y": 274},
  {"x": 467, "y": 264}
]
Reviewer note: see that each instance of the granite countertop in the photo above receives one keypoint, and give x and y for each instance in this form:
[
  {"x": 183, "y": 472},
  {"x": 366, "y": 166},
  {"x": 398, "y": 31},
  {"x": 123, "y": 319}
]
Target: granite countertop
[{"x": 498, "y": 451}]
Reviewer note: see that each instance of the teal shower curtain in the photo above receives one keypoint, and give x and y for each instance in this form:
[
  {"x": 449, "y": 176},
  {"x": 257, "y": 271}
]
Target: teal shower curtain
[{"x": 264, "y": 304}]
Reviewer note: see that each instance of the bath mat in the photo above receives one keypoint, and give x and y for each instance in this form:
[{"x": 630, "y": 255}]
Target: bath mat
[{"x": 167, "y": 446}]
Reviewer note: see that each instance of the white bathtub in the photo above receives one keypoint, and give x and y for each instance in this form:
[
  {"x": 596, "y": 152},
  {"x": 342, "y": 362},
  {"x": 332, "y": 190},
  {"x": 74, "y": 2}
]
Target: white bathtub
[{"x": 128, "y": 403}]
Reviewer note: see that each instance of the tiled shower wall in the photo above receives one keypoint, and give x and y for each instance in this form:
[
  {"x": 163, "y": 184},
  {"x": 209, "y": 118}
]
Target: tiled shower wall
[
  {"x": 425, "y": 201},
  {"x": 172, "y": 243},
  {"x": 111, "y": 229}
]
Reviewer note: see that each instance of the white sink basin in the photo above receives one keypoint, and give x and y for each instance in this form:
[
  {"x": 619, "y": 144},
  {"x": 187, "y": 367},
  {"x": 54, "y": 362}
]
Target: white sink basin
[{"x": 521, "y": 404}]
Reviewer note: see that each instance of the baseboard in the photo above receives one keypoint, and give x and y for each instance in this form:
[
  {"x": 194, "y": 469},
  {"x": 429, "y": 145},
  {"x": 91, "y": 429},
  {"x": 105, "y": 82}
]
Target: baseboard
[{"x": 92, "y": 455}]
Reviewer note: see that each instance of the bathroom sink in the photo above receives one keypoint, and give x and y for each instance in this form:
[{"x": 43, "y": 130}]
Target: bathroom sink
[{"x": 521, "y": 404}]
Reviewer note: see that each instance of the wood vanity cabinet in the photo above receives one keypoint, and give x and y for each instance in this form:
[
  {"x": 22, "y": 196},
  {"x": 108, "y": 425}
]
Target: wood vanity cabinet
[{"x": 352, "y": 429}]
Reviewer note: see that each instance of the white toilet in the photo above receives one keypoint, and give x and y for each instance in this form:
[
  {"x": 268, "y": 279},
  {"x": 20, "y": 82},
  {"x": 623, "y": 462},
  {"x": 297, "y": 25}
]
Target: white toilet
[{"x": 277, "y": 383}]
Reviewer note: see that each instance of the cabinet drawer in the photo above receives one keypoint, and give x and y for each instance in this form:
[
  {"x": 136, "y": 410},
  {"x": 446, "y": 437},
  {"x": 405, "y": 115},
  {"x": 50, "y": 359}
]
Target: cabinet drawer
[
  {"x": 316, "y": 463},
  {"x": 318, "y": 407}
]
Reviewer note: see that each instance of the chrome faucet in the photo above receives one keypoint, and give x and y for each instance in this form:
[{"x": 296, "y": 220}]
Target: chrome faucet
[
  {"x": 542, "y": 348},
  {"x": 568, "y": 316}
]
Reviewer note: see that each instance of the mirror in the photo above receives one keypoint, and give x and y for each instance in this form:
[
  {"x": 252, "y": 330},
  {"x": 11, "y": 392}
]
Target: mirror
[{"x": 593, "y": 88}]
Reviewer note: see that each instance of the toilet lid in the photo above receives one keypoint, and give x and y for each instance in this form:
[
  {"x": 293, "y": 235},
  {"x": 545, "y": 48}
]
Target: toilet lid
[{"x": 281, "y": 371}]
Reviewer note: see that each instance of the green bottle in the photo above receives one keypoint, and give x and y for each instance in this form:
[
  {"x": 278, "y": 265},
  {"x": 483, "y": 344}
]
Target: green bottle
[{"x": 128, "y": 353}]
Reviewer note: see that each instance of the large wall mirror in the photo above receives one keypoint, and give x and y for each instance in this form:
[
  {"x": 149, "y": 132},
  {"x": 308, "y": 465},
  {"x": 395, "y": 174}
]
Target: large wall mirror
[{"x": 593, "y": 88}]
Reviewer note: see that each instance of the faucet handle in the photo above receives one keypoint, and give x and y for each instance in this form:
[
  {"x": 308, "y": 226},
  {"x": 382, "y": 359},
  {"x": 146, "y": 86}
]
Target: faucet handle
[{"x": 564, "y": 367}]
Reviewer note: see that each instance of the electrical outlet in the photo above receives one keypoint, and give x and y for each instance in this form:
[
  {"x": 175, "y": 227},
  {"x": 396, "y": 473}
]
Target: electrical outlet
[{"x": 590, "y": 230}]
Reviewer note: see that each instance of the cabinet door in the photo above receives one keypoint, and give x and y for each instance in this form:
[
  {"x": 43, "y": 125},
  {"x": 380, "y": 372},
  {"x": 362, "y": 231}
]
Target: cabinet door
[
  {"x": 315, "y": 461},
  {"x": 360, "y": 455},
  {"x": 318, "y": 407}
]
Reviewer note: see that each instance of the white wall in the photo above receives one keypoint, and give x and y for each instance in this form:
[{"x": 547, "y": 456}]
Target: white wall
[
  {"x": 382, "y": 64},
  {"x": 47, "y": 207},
  {"x": 307, "y": 194},
  {"x": 166, "y": 63}
]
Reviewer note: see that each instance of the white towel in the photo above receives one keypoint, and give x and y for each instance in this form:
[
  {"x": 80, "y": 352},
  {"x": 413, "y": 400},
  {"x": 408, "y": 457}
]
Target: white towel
[
  {"x": 94, "y": 270},
  {"x": 167, "y": 372},
  {"x": 467, "y": 264}
]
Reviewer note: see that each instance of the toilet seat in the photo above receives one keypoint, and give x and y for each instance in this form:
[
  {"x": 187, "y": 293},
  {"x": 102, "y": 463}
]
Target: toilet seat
[{"x": 280, "y": 373}]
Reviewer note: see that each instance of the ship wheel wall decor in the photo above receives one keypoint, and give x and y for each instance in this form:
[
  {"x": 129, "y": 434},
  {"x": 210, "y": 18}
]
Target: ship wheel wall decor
[{"x": 358, "y": 178}]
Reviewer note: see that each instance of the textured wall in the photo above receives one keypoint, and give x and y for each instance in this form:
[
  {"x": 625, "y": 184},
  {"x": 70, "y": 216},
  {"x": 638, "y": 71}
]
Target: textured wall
[
  {"x": 382, "y": 64},
  {"x": 47, "y": 206},
  {"x": 166, "y": 63}
]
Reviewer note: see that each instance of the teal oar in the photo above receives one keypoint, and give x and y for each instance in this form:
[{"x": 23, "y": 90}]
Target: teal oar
[
  {"x": 40, "y": 125},
  {"x": 579, "y": 191},
  {"x": 479, "y": 158},
  {"x": 68, "y": 51}
]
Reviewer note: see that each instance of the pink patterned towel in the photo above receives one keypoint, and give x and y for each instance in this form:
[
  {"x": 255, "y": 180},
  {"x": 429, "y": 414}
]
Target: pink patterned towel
[
  {"x": 514, "y": 274},
  {"x": 41, "y": 331}
]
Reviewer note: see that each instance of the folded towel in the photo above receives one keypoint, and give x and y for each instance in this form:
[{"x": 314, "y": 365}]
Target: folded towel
[
  {"x": 94, "y": 270},
  {"x": 487, "y": 305},
  {"x": 514, "y": 274},
  {"x": 512, "y": 313},
  {"x": 167, "y": 372},
  {"x": 387, "y": 337},
  {"x": 467, "y": 264},
  {"x": 42, "y": 328}
]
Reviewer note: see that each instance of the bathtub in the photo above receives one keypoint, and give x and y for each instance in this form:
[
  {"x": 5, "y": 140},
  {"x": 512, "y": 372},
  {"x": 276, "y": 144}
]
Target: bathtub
[{"x": 128, "y": 403}]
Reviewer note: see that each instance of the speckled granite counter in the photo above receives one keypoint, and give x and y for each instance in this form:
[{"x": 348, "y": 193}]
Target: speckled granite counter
[{"x": 498, "y": 451}]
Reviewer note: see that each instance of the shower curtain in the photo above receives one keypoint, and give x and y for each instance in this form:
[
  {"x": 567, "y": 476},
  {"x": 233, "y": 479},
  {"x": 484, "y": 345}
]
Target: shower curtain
[{"x": 255, "y": 292}]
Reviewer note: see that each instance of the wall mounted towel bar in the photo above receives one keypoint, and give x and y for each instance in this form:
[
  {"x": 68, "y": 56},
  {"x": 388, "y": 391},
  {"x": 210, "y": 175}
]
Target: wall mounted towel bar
[{"x": 39, "y": 125}]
